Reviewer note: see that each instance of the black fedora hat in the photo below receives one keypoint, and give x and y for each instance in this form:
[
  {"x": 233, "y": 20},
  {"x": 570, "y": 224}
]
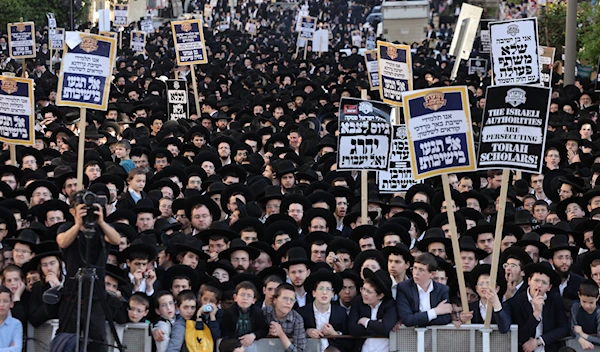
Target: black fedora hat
[
  {"x": 290, "y": 199},
  {"x": 268, "y": 249},
  {"x": 355, "y": 214},
  {"x": 399, "y": 249},
  {"x": 416, "y": 219},
  {"x": 587, "y": 260},
  {"x": 467, "y": 244},
  {"x": 425, "y": 208},
  {"x": 26, "y": 236},
  {"x": 43, "y": 250},
  {"x": 221, "y": 264},
  {"x": 213, "y": 207},
  {"x": 41, "y": 183},
  {"x": 368, "y": 254},
  {"x": 458, "y": 198},
  {"x": 253, "y": 279},
  {"x": 561, "y": 207},
  {"x": 141, "y": 244},
  {"x": 343, "y": 245},
  {"x": 381, "y": 279},
  {"x": 433, "y": 235},
  {"x": 543, "y": 268},
  {"x": 482, "y": 227},
  {"x": 392, "y": 228},
  {"x": 531, "y": 239},
  {"x": 238, "y": 244},
  {"x": 517, "y": 253},
  {"x": 206, "y": 235},
  {"x": 180, "y": 270},
  {"x": 557, "y": 243},
  {"x": 524, "y": 217},
  {"x": 419, "y": 188},
  {"x": 312, "y": 213},
  {"x": 363, "y": 231},
  {"x": 116, "y": 273},
  {"x": 485, "y": 269},
  {"x": 146, "y": 205},
  {"x": 278, "y": 228},
  {"x": 481, "y": 198},
  {"x": 272, "y": 270},
  {"x": 248, "y": 222},
  {"x": 235, "y": 189},
  {"x": 296, "y": 255},
  {"x": 9, "y": 220},
  {"x": 441, "y": 219},
  {"x": 350, "y": 274},
  {"x": 234, "y": 170},
  {"x": 53, "y": 204},
  {"x": 191, "y": 244},
  {"x": 310, "y": 284},
  {"x": 589, "y": 195},
  {"x": 270, "y": 193}
]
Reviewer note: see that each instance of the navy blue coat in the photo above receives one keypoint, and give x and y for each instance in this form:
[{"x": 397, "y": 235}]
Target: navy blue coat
[{"x": 407, "y": 303}]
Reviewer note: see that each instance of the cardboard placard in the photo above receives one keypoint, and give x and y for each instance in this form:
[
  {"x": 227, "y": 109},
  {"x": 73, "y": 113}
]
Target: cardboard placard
[
  {"x": 21, "y": 40},
  {"x": 121, "y": 15},
  {"x": 546, "y": 64},
  {"x": 113, "y": 35},
  {"x": 320, "y": 42},
  {"x": 177, "y": 99},
  {"x": 468, "y": 22},
  {"x": 399, "y": 176},
  {"x": 86, "y": 69},
  {"x": 17, "y": 110},
  {"x": 308, "y": 25},
  {"x": 515, "y": 58},
  {"x": 137, "y": 42},
  {"x": 365, "y": 135},
  {"x": 58, "y": 40},
  {"x": 477, "y": 65},
  {"x": 485, "y": 42},
  {"x": 395, "y": 72},
  {"x": 439, "y": 129},
  {"x": 51, "y": 24},
  {"x": 147, "y": 25},
  {"x": 372, "y": 66},
  {"x": 189, "y": 42},
  {"x": 513, "y": 134},
  {"x": 356, "y": 38}
]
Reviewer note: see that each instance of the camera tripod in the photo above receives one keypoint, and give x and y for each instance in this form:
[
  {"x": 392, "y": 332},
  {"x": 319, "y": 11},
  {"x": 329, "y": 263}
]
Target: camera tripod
[{"x": 88, "y": 274}]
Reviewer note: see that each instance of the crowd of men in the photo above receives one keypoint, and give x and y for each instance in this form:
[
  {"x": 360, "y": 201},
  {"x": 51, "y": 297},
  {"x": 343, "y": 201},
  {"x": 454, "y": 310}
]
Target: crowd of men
[{"x": 236, "y": 218}]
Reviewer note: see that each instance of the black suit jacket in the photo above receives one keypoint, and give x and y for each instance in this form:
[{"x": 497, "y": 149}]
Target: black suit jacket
[
  {"x": 407, "y": 303},
  {"x": 258, "y": 323},
  {"x": 570, "y": 293},
  {"x": 499, "y": 318},
  {"x": 554, "y": 320},
  {"x": 387, "y": 317},
  {"x": 338, "y": 319}
]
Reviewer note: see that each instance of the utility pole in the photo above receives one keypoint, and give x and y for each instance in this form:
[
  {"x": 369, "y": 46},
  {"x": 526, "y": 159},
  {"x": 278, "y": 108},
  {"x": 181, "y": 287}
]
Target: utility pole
[
  {"x": 72, "y": 15},
  {"x": 570, "y": 43}
]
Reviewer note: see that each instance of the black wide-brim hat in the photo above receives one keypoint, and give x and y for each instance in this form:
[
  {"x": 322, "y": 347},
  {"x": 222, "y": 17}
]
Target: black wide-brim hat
[
  {"x": 180, "y": 270},
  {"x": 354, "y": 215},
  {"x": 296, "y": 255},
  {"x": 41, "y": 183},
  {"x": 552, "y": 182},
  {"x": 205, "y": 235},
  {"x": 127, "y": 230},
  {"x": 516, "y": 252},
  {"x": 315, "y": 277},
  {"x": 438, "y": 200},
  {"x": 481, "y": 198},
  {"x": 530, "y": 239},
  {"x": 363, "y": 231},
  {"x": 238, "y": 244},
  {"x": 43, "y": 250},
  {"x": 267, "y": 248},
  {"x": 399, "y": 249},
  {"x": 433, "y": 235},
  {"x": 272, "y": 270},
  {"x": 318, "y": 212},
  {"x": 146, "y": 206},
  {"x": 221, "y": 264},
  {"x": 53, "y": 204},
  {"x": 420, "y": 187},
  {"x": 441, "y": 219},
  {"x": 475, "y": 231},
  {"x": 208, "y": 156},
  {"x": 233, "y": 169},
  {"x": 26, "y": 236},
  {"x": 392, "y": 228},
  {"x": 138, "y": 247},
  {"x": 485, "y": 269},
  {"x": 380, "y": 278},
  {"x": 236, "y": 188},
  {"x": 318, "y": 235},
  {"x": 9, "y": 218},
  {"x": 561, "y": 207},
  {"x": 368, "y": 254},
  {"x": 415, "y": 218},
  {"x": 165, "y": 182},
  {"x": 344, "y": 244},
  {"x": 559, "y": 243},
  {"x": 543, "y": 268},
  {"x": 213, "y": 207}
]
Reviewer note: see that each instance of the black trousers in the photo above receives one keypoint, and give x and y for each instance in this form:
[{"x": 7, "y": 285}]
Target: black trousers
[{"x": 68, "y": 321}]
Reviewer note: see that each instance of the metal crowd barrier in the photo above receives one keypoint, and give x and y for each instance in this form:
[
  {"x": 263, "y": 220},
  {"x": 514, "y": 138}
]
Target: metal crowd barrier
[
  {"x": 577, "y": 347},
  {"x": 447, "y": 338}
]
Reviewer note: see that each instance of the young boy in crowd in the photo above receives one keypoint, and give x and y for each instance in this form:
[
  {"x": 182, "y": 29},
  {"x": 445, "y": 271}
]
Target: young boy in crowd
[
  {"x": 244, "y": 320},
  {"x": 186, "y": 304},
  {"x": 585, "y": 315},
  {"x": 138, "y": 308},
  {"x": 12, "y": 329},
  {"x": 122, "y": 150},
  {"x": 231, "y": 345},
  {"x": 165, "y": 309}
]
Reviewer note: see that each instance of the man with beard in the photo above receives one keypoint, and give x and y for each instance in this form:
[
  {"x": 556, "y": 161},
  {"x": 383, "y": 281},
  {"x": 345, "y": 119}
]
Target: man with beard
[
  {"x": 140, "y": 158},
  {"x": 240, "y": 255},
  {"x": 297, "y": 270},
  {"x": 561, "y": 255},
  {"x": 178, "y": 207},
  {"x": 224, "y": 145}
]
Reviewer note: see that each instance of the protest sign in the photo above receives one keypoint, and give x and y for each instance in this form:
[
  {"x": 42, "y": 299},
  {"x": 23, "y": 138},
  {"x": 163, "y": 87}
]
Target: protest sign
[
  {"x": 439, "y": 131},
  {"x": 147, "y": 25},
  {"x": 86, "y": 67},
  {"x": 58, "y": 40},
  {"x": 177, "y": 99},
  {"x": 138, "y": 41},
  {"x": 17, "y": 111},
  {"x": 104, "y": 20},
  {"x": 189, "y": 42},
  {"x": 546, "y": 64},
  {"x": 121, "y": 15},
  {"x": 466, "y": 28},
  {"x": 514, "y": 127},
  {"x": 515, "y": 51},
  {"x": 395, "y": 71},
  {"x": 356, "y": 38},
  {"x": 21, "y": 40},
  {"x": 485, "y": 42},
  {"x": 321, "y": 41},
  {"x": 477, "y": 66},
  {"x": 372, "y": 66},
  {"x": 251, "y": 27},
  {"x": 371, "y": 44},
  {"x": 399, "y": 176},
  {"x": 308, "y": 25},
  {"x": 51, "y": 24},
  {"x": 365, "y": 134}
]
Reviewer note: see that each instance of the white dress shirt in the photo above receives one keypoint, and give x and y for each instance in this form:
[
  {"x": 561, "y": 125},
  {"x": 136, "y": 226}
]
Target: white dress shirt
[
  {"x": 562, "y": 285},
  {"x": 321, "y": 319},
  {"x": 375, "y": 345},
  {"x": 425, "y": 301},
  {"x": 539, "y": 329},
  {"x": 142, "y": 287},
  {"x": 301, "y": 299}
]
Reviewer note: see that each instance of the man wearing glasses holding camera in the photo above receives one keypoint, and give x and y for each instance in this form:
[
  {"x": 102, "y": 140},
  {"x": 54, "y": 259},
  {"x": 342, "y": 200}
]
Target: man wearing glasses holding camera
[{"x": 89, "y": 236}]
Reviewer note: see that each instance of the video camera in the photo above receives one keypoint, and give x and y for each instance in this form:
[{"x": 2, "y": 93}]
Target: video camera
[{"x": 89, "y": 199}]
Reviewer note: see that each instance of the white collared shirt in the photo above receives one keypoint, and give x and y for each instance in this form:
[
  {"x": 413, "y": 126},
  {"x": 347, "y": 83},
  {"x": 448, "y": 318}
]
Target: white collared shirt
[
  {"x": 375, "y": 345},
  {"x": 539, "y": 329},
  {"x": 562, "y": 285},
  {"x": 320, "y": 320},
  {"x": 425, "y": 301},
  {"x": 301, "y": 299},
  {"x": 394, "y": 287},
  {"x": 142, "y": 287}
]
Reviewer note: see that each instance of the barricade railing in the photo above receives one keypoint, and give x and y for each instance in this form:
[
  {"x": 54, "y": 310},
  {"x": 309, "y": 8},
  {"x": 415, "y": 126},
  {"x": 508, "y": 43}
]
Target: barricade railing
[{"x": 446, "y": 338}]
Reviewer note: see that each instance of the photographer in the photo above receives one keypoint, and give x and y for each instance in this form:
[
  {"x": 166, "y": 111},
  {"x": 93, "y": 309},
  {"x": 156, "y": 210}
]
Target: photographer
[{"x": 74, "y": 242}]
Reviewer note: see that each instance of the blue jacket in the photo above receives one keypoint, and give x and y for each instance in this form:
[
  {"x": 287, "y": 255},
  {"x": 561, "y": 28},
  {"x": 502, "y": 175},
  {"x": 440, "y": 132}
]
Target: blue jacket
[{"x": 407, "y": 303}]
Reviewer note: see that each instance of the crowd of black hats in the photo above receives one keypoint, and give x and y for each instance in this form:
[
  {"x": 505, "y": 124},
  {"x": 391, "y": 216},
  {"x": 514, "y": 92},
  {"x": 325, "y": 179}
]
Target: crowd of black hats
[{"x": 261, "y": 157}]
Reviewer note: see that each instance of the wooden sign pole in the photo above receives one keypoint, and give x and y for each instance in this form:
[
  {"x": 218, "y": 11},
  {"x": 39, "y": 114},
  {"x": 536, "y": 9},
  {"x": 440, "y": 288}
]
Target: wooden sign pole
[
  {"x": 364, "y": 180},
  {"x": 305, "y": 48},
  {"x": 121, "y": 41},
  {"x": 195, "y": 87},
  {"x": 497, "y": 242},
  {"x": 455, "y": 246},
  {"x": 13, "y": 154},
  {"x": 81, "y": 150}
]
